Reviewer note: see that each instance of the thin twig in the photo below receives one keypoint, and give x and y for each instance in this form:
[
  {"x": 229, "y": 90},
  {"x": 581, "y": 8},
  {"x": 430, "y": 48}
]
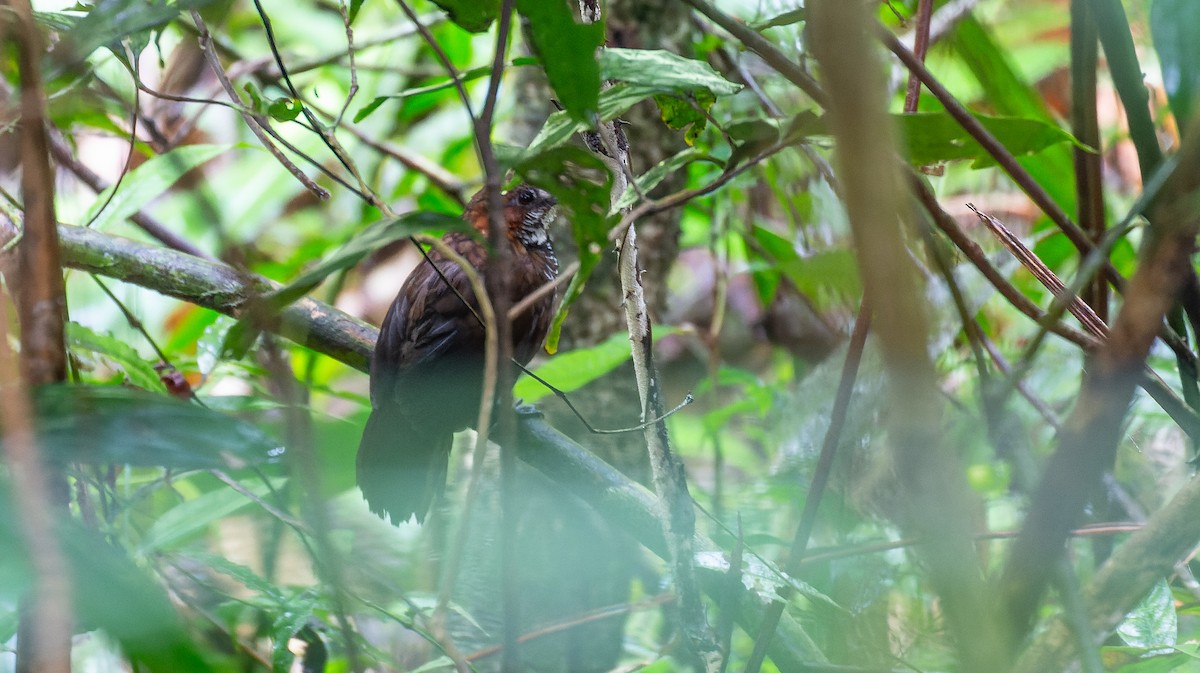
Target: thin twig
[
  {"x": 820, "y": 478},
  {"x": 253, "y": 122}
]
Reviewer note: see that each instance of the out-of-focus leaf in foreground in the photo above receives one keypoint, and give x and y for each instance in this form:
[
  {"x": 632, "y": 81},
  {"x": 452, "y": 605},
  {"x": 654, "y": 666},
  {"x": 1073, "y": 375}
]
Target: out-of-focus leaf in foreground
[{"x": 117, "y": 425}]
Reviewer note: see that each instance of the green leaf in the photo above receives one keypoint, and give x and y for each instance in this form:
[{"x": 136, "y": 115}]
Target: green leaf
[
  {"x": 287, "y": 624},
  {"x": 123, "y": 426},
  {"x": 1007, "y": 93},
  {"x": 568, "y": 53},
  {"x": 659, "y": 172},
  {"x": 434, "y": 665},
  {"x": 555, "y": 170},
  {"x": 1153, "y": 624},
  {"x": 679, "y": 112},
  {"x": 1175, "y": 25},
  {"x": 372, "y": 238},
  {"x": 573, "y": 370},
  {"x": 830, "y": 270},
  {"x": 113, "y": 594},
  {"x": 146, "y": 183},
  {"x": 110, "y": 21},
  {"x": 464, "y": 77},
  {"x": 663, "y": 70},
  {"x": 614, "y": 101},
  {"x": 355, "y": 6},
  {"x": 192, "y": 517},
  {"x": 137, "y": 371},
  {"x": 785, "y": 19},
  {"x": 241, "y": 336},
  {"x": 1125, "y": 659},
  {"x": 473, "y": 16},
  {"x": 931, "y": 137},
  {"x": 244, "y": 575},
  {"x": 285, "y": 109}
]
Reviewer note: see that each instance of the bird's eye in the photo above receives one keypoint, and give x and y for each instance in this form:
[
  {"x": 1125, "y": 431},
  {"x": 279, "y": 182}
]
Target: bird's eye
[{"x": 525, "y": 196}]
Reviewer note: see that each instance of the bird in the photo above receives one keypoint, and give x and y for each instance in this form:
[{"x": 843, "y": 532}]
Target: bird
[{"x": 427, "y": 368}]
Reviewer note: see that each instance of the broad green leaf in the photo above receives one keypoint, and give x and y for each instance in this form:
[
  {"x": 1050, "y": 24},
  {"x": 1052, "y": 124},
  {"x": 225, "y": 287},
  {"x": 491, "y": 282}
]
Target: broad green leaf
[
  {"x": 662, "y": 69},
  {"x": 113, "y": 594},
  {"x": 190, "y": 518},
  {"x": 614, "y": 101},
  {"x": 464, "y": 77},
  {"x": 573, "y": 370},
  {"x": 241, "y": 336},
  {"x": 586, "y": 204},
  {"x": 139, "y": 372},
  {"x": 473, "y": 16},
  {"x": 931, "y": 137},
  {"x": 369, "y": 240},
  {"x": 567, "y": 50},
  {"x": 110, "y": 21},
  {"x": 785, "y": 19},
  {"x": 146, "y": 183},
  {"x": 285, "y": 109},
  {"x": 442, "y": 662},
  {"x": 678, "y": 112},
  {"x": 1175, "y": 26},
  {"x": 1153, "y": 624},
  {"x": 830, "y": 270},
  {"x": 288, "y": 623},
  {"x": 124, "y": 426},
  {"x": 1125, "y": 659},
  {"x": 355, "y": 7},
  {"x": 659, "y": 172},
  {"x": 1010, "y": 95},
  {"x": 244, "y": 575},
  {"x": 109, "y": 592}
]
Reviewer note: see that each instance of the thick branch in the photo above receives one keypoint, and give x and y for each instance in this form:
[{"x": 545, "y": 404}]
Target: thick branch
[{"x": 221, "y": 288}]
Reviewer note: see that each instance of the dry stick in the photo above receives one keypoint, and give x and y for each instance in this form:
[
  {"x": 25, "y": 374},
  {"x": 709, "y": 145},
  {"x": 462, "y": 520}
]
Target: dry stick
[
  {"x": 255, "y": 123},
  {"x": 1151, "y": 383},
  {"x": 1009, "y": 163},
  {"x": 1043, "y": 274},
  {"x": 326, "y": 137},
  {"x": 938, "y": 501},
  {"x": 487, "y": 315},
  {"x": 45, "y": 626},
  {"x": 820, "y": 479},
  {"x": 1176, "y": 408},
  {"x": 1091, "y": 433},
  {"x": 1003, "y": 157}
]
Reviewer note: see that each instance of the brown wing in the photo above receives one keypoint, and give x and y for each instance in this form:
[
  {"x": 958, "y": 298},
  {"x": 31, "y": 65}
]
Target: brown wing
[{"x": 429, "y": 358}]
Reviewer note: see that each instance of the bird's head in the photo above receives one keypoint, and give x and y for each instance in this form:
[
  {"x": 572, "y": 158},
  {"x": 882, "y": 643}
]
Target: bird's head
[{"x": 528, "y": 211}]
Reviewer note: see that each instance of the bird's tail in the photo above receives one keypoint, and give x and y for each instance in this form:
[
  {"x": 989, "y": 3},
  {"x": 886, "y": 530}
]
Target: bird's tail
[{"x": 401, "y": 467}]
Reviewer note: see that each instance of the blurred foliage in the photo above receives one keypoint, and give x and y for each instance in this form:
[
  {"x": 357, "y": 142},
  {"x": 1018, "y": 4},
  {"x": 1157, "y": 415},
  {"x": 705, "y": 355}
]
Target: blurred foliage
[{"x": 193, "y": 545}]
